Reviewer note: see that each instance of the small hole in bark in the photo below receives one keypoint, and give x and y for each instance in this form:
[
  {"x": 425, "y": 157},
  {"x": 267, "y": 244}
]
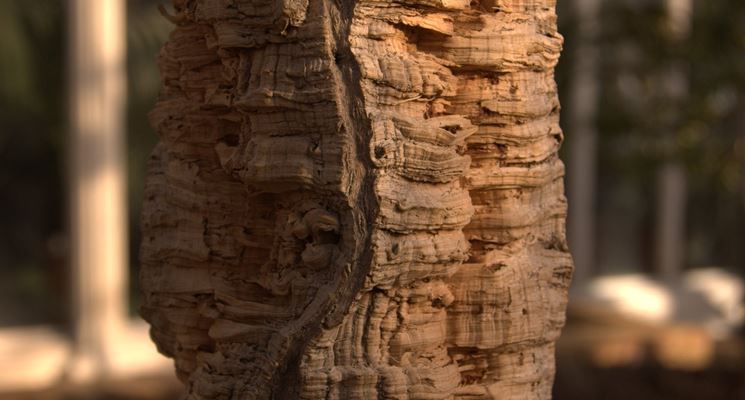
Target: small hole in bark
[
  {"x": 327, "y": 237},
  {"x": 496, "y": 266},
  {"x": 525, "y": 311},
  {"x": 230, "y": 140},
  {"x": 379, "y": 152},
  {"x": 451, "y": 128},
  {"x": 206, "y": 348}
]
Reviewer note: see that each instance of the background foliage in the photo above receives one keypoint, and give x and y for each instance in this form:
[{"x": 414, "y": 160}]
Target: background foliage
[{"x": 639, "y": 128}]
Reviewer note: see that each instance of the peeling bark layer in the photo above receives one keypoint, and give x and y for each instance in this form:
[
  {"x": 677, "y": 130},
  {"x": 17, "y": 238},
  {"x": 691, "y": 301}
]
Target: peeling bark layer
[{"x": 358, "y": 199}]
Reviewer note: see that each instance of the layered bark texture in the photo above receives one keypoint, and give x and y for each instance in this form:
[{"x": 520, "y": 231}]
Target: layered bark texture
[{"x": 358, "y": 199}]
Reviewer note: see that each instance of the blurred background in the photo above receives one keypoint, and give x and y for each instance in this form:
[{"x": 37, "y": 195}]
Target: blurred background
[{"x": 653, "y": 108}]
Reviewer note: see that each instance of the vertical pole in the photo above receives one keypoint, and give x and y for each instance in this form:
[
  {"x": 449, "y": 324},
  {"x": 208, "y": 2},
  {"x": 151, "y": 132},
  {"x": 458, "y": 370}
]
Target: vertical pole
[
  {"x": 98, "y": 213},
  {"x": 582, "y": 168},
  {"x": 741, "y": 151},
  {"x": 671, "y": 209},
  {"x": 671, "y": 176}
]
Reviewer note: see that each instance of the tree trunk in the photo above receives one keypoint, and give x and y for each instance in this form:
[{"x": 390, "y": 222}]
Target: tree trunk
[
  {"x": 98, "y": 218},
  {"x": 356, "y": 200},
  {"x": 583, "y": 148},
  {"x": 672, "y": 179}
]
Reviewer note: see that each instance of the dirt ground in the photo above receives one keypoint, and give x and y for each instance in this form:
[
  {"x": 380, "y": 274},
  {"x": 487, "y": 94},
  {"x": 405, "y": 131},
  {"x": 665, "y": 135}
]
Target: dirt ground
[
  {"x": 646, "y": 382},
  {"x": 604, "y": 357}
]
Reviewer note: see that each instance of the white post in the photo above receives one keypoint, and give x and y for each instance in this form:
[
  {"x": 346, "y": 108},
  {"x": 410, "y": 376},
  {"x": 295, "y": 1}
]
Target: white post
[
  {"x": 582, "y": 168},
  {"x": 97, "y": 171}
]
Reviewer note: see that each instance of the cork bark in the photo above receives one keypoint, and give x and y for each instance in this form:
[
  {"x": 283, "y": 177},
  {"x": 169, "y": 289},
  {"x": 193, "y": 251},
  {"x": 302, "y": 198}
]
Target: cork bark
[{"x": 358, "y": 200}]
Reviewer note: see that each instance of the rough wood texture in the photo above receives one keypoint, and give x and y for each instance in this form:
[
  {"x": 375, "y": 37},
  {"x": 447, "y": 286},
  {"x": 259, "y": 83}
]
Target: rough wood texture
[{"x": 358, "y": 200}]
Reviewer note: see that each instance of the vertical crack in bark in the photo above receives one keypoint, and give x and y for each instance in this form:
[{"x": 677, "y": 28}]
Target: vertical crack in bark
[{"x": 359, "y": 189}]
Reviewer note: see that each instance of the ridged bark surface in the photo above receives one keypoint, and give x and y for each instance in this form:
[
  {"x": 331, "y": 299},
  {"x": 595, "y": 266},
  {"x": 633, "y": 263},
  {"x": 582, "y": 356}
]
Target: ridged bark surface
[{"x": 358, "y": 200}]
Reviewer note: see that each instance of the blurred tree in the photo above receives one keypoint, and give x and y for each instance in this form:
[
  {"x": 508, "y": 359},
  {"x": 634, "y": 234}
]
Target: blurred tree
[
  {"x": 634, "y": 113},
  {"x": 671, "y": 176},
  {"x": 33, "y": 148},
  {"x": 581, "y": 119}
]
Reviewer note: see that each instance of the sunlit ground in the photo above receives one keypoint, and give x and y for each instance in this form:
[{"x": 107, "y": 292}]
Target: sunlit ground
[{"x": 149, "y": 387}]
